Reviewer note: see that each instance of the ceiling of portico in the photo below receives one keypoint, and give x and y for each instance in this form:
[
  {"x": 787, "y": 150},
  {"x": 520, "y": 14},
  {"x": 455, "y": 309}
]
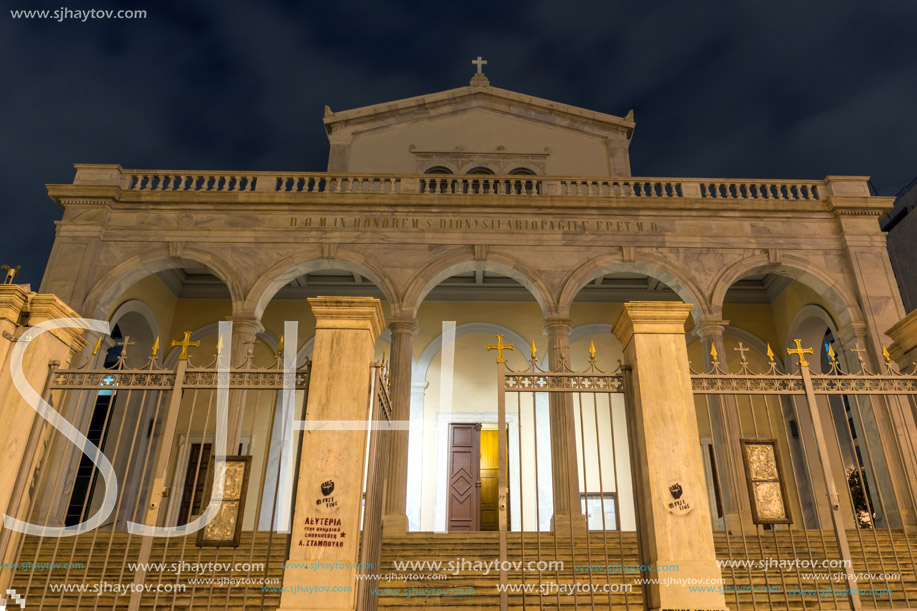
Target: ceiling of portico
[{"x": 196, "y": 282}]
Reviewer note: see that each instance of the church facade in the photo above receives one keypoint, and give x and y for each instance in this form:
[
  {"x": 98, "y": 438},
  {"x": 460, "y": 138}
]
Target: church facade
[{"x": 656, "y": 409}]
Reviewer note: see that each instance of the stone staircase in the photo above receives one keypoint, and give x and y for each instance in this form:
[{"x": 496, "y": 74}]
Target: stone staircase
[
  {"x": 873, "y": 552},
  {"x": 122, "y": 549},
  {"x": 455, "y": 591}
]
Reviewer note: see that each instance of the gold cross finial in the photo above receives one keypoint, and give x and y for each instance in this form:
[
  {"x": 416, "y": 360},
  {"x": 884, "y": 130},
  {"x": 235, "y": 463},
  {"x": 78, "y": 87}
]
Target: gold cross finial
[
  {"x": 533, "y": 349},
  {"x": 500, "y": 347},
  {"x": 770, "y": 353},
  {"x": 591, "y": 350},
  {"x": 801, "y": 352},
  {"x": 185, "y": 344}
]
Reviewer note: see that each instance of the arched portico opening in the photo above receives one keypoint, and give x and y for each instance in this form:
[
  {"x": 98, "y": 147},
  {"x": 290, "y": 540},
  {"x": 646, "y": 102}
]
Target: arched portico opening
[{"x": 460, "y": 308}]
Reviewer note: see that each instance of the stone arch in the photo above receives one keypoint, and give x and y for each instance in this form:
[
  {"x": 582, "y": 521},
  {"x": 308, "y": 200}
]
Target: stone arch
[
  {"x": 137, "y": 320},
  {"x": 845, "y": 307},
  {"x": 294, "y": 266},
  {"x": 484, "y": 328},
  {"x": 170, "y": 359},
  {"x": 426, "y": 279},
  {"x": 650, "y": 265},
  {"x": 809, "y": 325},
  {"x": 480, "y": 164},
  {"x": 101, "y": 298},
  {"x": 746, "y": 337}
]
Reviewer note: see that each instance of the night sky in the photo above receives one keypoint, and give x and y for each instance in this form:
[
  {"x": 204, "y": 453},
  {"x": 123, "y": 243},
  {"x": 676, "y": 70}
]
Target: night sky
[{"x": 777, "y": 89}]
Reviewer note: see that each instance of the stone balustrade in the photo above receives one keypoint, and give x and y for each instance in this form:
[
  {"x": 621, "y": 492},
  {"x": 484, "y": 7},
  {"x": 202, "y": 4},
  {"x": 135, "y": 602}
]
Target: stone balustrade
[{"x": 476, "y": 184}]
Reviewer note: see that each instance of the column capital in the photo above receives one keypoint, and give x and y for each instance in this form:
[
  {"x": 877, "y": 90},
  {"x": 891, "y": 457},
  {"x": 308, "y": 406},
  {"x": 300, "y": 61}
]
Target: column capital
[
  {"x": 354, "y": 313},
  {"x": 657, "y": 317},
  {"x": 557, "y": 326},
  {"x": 44, "y": 307},
  {"x": 13, "y": 300},
  {"x": 710, "y": 327},
  {"x": 403, "y": 326},
  {"x": 248, "y": 324}
]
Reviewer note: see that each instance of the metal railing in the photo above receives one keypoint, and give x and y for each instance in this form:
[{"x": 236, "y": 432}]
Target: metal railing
[
  {"x": 845, "y": 462},
  {"x": 156, "y": 426}
]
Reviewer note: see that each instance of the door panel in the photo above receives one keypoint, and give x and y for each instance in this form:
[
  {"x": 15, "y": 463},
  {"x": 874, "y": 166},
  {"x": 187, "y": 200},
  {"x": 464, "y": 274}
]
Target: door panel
[
  {"x": 464, "y": 477},
  {"x": 489, "y": 481}
]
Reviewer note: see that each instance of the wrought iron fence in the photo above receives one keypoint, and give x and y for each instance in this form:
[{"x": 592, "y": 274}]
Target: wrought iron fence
[
  {"x": 573, "y": 502},
  {"x": 378, "y": 455},
  {"x": 811, "y": 482},
  {"x": 157, "y": 428}
]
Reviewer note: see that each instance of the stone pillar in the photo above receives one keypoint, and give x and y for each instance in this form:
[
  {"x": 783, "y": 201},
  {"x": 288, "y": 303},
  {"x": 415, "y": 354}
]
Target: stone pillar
[
  {"x": 395, "y": 519},
  {"x": 564, "y": 467},
  {"x": 727, "y": 430},
  {"x": 21, "y": 443},
  {"x": 674, "y": 517},
  {"x": 330, "y": 478},
  {"x": 904, "y": 336},
  {"x": 881, "y": 421},
  {"x": 245, "y": 330},
  {"x": 415, "y": 453}
]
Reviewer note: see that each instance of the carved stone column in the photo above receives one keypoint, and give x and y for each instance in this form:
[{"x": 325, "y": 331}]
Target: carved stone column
[
  {"x": 244, "y": 335},
  {"x": 727, "y": 430},
  {"x": 880, "y": 422},
  {"x": 673, "y": 514},
  {"x": 395, "y": 519},
  {"x": 564, "y": 467}
]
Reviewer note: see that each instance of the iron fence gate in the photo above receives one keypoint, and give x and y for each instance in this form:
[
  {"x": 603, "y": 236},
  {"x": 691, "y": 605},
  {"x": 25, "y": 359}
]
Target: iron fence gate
[
  {"x": 567, "y": 519},
  {"x": 159, "y": 430},
  {"x": 812, "y": 486},
  {"x": 377, "y": 460}
]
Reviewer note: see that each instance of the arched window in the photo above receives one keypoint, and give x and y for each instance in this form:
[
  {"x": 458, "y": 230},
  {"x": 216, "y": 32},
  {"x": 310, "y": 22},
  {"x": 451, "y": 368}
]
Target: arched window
[
  {"x": 526, "y": 187},
  {"x": 433, "y": 185},
  {"x": 480, "y": 170}
]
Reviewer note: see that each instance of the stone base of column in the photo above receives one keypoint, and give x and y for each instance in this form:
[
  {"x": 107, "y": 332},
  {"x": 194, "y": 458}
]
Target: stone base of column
[
  {"x": 394, "y": 525},
  {"x": 561, "y": 524}
]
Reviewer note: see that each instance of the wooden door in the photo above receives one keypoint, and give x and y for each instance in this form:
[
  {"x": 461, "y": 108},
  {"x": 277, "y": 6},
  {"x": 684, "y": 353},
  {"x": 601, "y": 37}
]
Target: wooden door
[
  {"x": 489, "y": 481},
  {"x": 464, "y": 477}
]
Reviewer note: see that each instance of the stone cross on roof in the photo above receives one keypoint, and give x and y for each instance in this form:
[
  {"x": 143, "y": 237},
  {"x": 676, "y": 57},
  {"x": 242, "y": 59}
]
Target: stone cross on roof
[{"x": 479, "y": 80}]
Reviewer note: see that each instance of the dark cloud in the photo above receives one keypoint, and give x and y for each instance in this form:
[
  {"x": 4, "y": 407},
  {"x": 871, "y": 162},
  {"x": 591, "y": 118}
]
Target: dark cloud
[{"x": 720, "y": 89}]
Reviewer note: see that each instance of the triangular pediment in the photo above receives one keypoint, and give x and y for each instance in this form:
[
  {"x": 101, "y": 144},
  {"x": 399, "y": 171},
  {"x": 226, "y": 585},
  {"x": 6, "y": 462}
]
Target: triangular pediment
[{"x": 464, "y": 99}]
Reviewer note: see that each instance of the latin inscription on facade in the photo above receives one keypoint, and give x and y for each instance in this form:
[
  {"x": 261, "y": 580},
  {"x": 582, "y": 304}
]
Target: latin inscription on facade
[{"x": 503, "y": 224}]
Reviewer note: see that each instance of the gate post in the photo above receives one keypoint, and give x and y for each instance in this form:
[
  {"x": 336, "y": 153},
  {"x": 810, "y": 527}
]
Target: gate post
[
  {"x": 23, "y": 434},
  {"x": 671, "y": 490},
  {"x": 329, "y": 492}
]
